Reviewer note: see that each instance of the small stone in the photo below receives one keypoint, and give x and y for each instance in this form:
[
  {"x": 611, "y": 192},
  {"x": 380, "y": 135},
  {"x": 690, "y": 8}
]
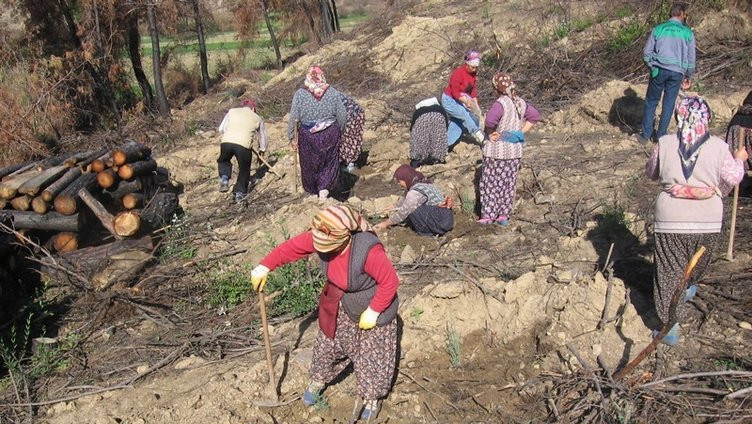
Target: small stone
[
  {"x": 408, "y": 255},
  {"x": 541, "y": 198},
  {"x": 417, "y": 409},
  {"x": 597, "y": 349},
  {"x": 411, "y": 364},
  {"x": 315, "y": 420},
  {"x": 543, "y": 141},
  {"x": 189, "y": 362},
  {"x": 142, "y": 368},
  {"x": 745, "y": 325}
]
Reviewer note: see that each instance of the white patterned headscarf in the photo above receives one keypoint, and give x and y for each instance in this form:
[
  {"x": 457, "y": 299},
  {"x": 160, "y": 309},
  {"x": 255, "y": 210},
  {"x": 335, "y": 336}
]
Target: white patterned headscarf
[{"x": 693, "y": 117}]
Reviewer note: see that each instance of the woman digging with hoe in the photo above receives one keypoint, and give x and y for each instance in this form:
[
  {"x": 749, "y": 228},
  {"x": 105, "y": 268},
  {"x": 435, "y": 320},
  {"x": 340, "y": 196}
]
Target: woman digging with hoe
[
  {"x": 696, "y": 171},
  {"x": 357, "y": 307}
]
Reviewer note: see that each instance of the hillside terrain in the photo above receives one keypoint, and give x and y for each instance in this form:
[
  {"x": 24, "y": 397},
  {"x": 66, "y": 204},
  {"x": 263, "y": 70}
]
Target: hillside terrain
[{"x": 492, "y": 318}]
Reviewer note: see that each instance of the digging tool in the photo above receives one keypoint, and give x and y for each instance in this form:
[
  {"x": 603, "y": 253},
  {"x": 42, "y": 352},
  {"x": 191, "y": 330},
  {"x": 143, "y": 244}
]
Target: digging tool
[
  {"x": 296, "y": 157},
  {"x": 732, "y": 226},
  {"x": 678, "y": 294},
  {"x": 273, "y": 401},
  {"x": 261, "y": 158}
]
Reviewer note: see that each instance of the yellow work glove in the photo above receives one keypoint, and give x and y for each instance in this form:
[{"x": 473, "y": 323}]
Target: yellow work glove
[
  {"x": 258, "y": 277},
  {"x": 368, "y": 319}
]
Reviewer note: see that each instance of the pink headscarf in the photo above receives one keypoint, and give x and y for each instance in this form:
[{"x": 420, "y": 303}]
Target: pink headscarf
[
  {"x": 315, "y": 82},
  {"x": 248, "y": 103},
  {"x": 472, "y": 58}
]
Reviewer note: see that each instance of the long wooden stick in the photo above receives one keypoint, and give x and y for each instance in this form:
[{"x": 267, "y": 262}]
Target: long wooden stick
[
  {"x": 732, "y": 227},
  {"x": 678, "y": 294},
  {"x": 268, "y": 347},
  {"x": 99, "y": 211},
  {"x": 261, "y": 158},
  {"x": 296, "y": 157}
]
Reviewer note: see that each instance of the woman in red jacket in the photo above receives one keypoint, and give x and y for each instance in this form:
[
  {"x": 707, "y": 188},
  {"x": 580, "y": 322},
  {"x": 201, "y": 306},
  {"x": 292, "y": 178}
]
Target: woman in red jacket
[
  {"x": 357, "y": 307},
  {"x": 460, "y": 100}
]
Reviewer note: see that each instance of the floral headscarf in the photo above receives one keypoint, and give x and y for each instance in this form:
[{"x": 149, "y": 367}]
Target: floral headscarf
[
  {"x": 315, "y": 82},
  {"x": 692, "y": 118},
  {"x": 472, "y": 58},
  {"x": 332, "y": 227},
  {"x": 503, "y": 84}
]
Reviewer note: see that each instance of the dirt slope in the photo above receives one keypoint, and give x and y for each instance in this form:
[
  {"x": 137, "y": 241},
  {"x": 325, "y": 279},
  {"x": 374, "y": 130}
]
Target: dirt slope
[{"x": 517, "y": 296}]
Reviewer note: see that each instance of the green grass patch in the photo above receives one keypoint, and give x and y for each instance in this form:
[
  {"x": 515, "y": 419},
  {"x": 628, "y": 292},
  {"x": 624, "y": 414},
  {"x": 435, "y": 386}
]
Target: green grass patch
[
  {"x": 299, "y": 284},
  {"x": 177, "y": 242},
  {"x": 626, "y": 35},
  {"x": 228, "y": 289}
]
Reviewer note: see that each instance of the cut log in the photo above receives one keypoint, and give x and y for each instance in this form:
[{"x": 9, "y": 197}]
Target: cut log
[
  {"x": 4, "y": 172},
  {"x": 26, "y": 167},
  {"x": 39, "y": 205},
  {"x": 99, "y": 211},
  {"x": 107, "y": 178},
  {"x": 85, "y": 161},
  {"x": 125, "y": 187},
  {"x": 98, "y": 165},
  {"x": 54, "y": 161},
  {"x": 127, "y": 223},
  {"x": 3, "y": 203},
  {"x": 53, "y": 221},
  {"x": 65, "y": 242},
  {"x": 131, "y": 152},
  {"x": 55, "y": 188},
  {"x": 67, "y": 201},
  {"x": 129, "y": 170},
  {"x": 21, "y": 203},
  {"x": 34, "y": 185},
  {"x": 9, "y": 187},
  {"x": 133, "y": 200},
  {"x": 91, "y": 260},
  {"x": 160, "y": 210}
]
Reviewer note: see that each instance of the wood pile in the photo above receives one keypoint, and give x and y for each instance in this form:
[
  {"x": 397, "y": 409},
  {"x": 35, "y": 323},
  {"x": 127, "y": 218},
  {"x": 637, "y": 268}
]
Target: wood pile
[{"x": 83, "y": 202}]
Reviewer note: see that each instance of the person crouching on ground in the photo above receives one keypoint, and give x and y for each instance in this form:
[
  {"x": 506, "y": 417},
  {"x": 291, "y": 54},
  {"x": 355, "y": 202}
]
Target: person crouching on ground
[
  {"x": 320, "y": 114},
  {"x": 423, "y": 206},
  {"x": 428, "y": 133},
  {"x": 358, "y": 305},
  {"x": 239, "y": 128},
  {"x": 509, "y": 118},
  {"x": 460, "y": 100},
  {"x": 696, "y": 171}
]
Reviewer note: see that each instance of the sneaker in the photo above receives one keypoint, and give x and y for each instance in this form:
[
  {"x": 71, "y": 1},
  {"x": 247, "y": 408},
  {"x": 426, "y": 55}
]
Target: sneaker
[
  {"x": 224, "y": 184},
  {"x": 502, "y": 220},
  {"x": 479, "y": 136},
  {"x": 323, "y": 194},
  {"x": 690, "y": 292},
  {"x": 485, "y": 221},
  {"x": 672, "y": 337},
  {"x": 370, "y": 410},
  {"x": 350, "y": 168},
  {"x": 239, "y": 197},
  {"x": 312, "y": 393}
]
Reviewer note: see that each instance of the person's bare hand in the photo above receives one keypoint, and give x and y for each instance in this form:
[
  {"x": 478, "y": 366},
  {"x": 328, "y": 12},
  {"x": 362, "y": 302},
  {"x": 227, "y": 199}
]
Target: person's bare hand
[
  {"x": 294, "y": 145},
  {"x": 686, "y": 84},
  {"x": 383, "y": 225},
  {"x": 741, "y": 154},
  {"x": 494, "y": 136}
]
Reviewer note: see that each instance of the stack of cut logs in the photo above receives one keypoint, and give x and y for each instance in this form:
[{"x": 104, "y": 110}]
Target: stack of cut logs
[{"x": 48, "y": 195}]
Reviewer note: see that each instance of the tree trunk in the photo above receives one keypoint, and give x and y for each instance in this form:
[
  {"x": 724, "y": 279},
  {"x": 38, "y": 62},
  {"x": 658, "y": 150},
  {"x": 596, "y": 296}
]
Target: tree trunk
[
  {"x": 130, "y": 170},
  {"x": 67, "y": 201},
  {"x": 201, "y": 47},
  {"x": 55, "y": 188},
  {"x": 131, "y": 152},
  {"x": 134, "y": 44},
  {"x": 335, "y": 15},
  {"x": 21, "y": 203},
  {"x": 275, "y": 42},
  {"x": 326, "y": 20},
  {"x": 162, "y": 105},
  {"x": 89, "y": 260},
  {"x": 53, "y": 221},
  {"x": 311, "y": 24}
]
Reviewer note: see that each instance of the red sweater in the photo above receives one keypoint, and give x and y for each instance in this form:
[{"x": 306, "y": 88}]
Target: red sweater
[
  {"x": 377, "y": 265},
  {"x": 460, "y": 82}
]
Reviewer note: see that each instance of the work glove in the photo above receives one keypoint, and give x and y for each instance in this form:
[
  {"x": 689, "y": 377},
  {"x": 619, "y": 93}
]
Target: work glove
[
  {"x": 368, "y": 319},
  {"x": 258, "y": 277}
]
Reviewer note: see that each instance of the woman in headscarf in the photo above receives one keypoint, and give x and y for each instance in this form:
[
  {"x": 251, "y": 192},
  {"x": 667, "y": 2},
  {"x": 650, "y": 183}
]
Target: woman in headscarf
[
  {"x": 739, "y": 131},
  {"x": 318, "y": 110},
  {"x": 352, "y": 136},
  {"x": 428, "y": 133},
  {"x": 509, "y": 118},
  {"x": 423, "y": 205},
  {"x": 695, "y": 170},
  {"x": 357, "y": 307},
  {"x": 460, "y": 100}
]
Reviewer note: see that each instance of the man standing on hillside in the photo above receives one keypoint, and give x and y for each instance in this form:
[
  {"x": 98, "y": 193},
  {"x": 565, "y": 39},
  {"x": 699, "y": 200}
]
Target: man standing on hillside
[
  {"x": 670, "y": 55},
  {"x": 240, "y": 128}
]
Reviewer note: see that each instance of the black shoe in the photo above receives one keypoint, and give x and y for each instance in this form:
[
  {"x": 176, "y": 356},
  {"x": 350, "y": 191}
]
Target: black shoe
[
  {"x": 640, "y": 139},
  {"x": 415, "y": 163},
  {"x": 239, "y": 197}
]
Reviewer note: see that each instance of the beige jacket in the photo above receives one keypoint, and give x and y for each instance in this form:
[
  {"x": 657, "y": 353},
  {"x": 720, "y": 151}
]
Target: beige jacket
[{"x": 243, "y": 126}]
